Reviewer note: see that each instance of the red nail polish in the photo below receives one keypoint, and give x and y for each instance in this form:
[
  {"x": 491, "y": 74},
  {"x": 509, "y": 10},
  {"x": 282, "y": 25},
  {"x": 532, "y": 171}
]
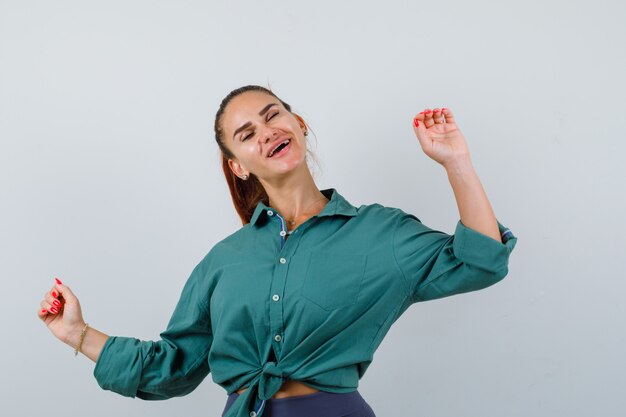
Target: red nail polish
[
  {"x": 428, "y": 111},
  {"x": 57, "y": 303},
  {"x": 44, "y": 310},
  {"x": 55, "y": 294},
  {"x": 53, "y": 310},
  {"x": 416, "y": 123},
  {"x": 58, "y": 281}
]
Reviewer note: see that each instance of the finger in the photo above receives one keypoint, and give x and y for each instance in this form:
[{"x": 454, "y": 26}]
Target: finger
[
  {"x": 53, "y": 301},
  {"x": 447, "y": 113},
  {"x": 437, "y": 117},
  {"x": 56, "y": 303},
  {"x": 42, "y": 313},
  {"x": 419, "y": 116},
  {"x": 428, "y": 119},
  {"x": 49, "y": 307},
  {"x": 418, "y": 119},
  {"x": 52, "y": 296}
]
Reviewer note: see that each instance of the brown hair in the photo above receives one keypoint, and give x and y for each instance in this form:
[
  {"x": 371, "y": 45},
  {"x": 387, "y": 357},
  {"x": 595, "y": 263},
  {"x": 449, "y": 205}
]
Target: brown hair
[{"x": 245, "y": 194}]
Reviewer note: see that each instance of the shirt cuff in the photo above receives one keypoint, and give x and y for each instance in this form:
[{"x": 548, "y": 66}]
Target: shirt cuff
[
  {"x": 118, "y": 367},
  {"x": 480, "y": 250}
]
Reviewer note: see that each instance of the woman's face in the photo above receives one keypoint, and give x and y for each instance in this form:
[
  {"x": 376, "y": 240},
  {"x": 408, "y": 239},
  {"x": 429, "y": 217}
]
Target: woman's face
[{"x": 254, "y": 125}]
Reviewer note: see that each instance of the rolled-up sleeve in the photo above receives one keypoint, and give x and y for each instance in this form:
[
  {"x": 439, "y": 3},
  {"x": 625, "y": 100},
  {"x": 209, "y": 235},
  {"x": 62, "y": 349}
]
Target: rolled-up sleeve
[
  {"x": 172, "y": 366},
  {"x": 436, "y": 264}
]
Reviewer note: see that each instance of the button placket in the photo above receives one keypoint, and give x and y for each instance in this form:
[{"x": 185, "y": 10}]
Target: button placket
[
  {"x": 281, "y": 270},
  {"x": 277, "y": 325}
]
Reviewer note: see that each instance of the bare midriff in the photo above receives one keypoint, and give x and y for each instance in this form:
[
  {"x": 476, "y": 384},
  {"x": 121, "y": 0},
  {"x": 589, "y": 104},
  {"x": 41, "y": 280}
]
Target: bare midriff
[{"x": 290, "y": 388}]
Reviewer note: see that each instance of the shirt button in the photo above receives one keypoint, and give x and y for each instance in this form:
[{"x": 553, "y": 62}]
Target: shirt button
[
  {"x": 283, "y": 260},
  {"x": 275, "y": 297},
  {"x": 277, "y": 338},
  {"x": 270, "y": 213},
  {"x": 283, "y": 233}
]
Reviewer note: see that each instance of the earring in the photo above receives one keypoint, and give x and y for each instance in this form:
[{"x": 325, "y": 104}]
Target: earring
[{"x": 244, "y": 177}]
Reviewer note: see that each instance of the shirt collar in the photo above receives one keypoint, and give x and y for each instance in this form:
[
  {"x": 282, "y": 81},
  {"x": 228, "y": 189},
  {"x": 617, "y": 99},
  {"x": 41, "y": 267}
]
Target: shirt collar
[{"x": 337, "y": 205}]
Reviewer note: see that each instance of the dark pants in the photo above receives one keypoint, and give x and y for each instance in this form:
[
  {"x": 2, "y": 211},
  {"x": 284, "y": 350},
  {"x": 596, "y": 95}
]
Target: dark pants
[{"x": 318, "y": 404}]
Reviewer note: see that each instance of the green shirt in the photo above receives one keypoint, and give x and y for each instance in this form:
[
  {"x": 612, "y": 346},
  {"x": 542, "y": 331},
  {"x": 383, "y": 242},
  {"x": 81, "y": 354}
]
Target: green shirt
[{"x": 264, "y": 306}]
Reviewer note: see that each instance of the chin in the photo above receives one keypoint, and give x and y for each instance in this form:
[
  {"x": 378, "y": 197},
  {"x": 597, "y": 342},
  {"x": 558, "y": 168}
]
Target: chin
[{"x": 289, "y": 166}]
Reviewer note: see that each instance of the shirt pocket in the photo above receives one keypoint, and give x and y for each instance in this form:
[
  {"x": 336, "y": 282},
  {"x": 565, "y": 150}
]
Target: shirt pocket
[{"x": 333, "y": 280}]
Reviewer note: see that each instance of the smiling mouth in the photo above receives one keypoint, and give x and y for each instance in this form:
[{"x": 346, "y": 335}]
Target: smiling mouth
[{"x": 279, "y": 148}]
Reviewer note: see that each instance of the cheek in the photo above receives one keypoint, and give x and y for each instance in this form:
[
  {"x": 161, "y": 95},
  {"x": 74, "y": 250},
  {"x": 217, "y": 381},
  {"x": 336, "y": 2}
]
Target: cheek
[{"x": 249, "y": 154}]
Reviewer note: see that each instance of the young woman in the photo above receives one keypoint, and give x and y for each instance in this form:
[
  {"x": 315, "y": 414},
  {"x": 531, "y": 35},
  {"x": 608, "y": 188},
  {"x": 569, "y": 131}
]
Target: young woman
[{"x": 287, "y": 312}]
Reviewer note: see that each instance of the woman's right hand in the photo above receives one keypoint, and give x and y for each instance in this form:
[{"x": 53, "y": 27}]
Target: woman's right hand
[{"x": 61, "y": 312}]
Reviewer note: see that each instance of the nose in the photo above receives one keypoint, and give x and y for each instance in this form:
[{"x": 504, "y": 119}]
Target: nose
[{"x": 268, "y": 134}]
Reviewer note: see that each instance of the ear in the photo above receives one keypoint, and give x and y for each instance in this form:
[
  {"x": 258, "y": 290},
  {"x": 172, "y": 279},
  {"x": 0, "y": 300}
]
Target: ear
[
  {"x": 303, "y": 124},
  {"x": 237, "y": 169}
]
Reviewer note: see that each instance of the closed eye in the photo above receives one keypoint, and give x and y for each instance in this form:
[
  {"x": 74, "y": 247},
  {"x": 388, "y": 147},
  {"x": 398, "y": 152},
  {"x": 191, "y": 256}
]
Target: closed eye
[{"x": 248, "y": 135}]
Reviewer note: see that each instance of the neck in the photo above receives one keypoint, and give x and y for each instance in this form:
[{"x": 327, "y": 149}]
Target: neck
[{"x": 295, "y": 196}]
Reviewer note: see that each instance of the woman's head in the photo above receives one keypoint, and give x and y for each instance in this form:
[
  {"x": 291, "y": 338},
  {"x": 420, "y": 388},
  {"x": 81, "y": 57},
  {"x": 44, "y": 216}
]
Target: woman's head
[{"x": 250, "y": 123}]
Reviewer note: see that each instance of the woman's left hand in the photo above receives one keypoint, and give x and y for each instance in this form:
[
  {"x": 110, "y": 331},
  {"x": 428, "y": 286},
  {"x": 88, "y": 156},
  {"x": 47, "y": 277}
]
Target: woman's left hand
[{"x": 439, "y": 136}]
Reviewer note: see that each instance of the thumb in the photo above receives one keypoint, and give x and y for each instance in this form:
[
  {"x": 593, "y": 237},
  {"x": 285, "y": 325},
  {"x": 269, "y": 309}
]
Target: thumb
[
  {"x": 66, "y": 292},
  {"x": 419, "y": 128}
]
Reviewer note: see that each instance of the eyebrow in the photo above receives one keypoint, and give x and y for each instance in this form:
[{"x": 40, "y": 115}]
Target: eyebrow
[{"x": 247, "y": 124}]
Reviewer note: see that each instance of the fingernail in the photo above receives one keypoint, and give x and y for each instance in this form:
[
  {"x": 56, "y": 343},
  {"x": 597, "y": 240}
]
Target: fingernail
[
  {"x": 55, "y": 294},
  {"x": 58, "y": 281},
  {"x": 416, "y": 123},
  {"x": 421, "y": 112},
  {"x": 443, "y": 108},
  {"x": 53, "y": 310},
  {"x": 428, "y": 111},
  {"x": 57, "y": 303},
  {"x": 44, "y": 310}
]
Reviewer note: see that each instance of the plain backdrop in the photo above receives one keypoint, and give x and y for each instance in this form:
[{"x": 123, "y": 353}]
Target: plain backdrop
[{"x": 110, "y": 180}]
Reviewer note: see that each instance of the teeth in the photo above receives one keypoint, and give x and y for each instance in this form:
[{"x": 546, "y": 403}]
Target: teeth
[{"x": 286, "y": 141}]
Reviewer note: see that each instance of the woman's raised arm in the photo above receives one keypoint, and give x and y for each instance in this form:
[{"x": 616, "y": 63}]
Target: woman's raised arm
[{"x": 442, "y": 141}]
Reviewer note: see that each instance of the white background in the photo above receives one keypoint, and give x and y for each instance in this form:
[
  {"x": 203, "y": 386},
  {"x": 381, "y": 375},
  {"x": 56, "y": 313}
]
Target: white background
[{"x": 110, "y": 180}]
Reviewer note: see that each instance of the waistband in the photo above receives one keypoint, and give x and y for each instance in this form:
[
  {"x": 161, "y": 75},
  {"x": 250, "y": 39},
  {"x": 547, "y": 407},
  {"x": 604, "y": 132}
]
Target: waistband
[{"x": 321, "y": 403}]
